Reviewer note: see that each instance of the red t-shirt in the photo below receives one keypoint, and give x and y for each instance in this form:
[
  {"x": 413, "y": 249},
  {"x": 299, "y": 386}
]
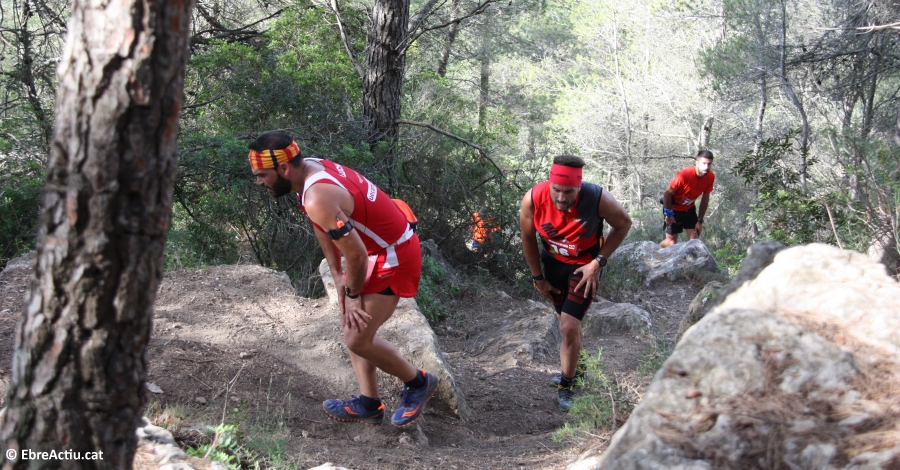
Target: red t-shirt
[
  {"x": 687, "y": 187},
  {"x": 572, "y": 237}
]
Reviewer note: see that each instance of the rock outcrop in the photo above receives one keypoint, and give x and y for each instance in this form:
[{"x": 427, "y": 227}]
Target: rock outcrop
[
  {"x": 158, "y": 450},
  {"x": 525, "y": 335},
  {"x": 679, "y": 261},
  {"x": 797, "y": 367},
  {"x": 697, "y": 309},
  {"x": 604, "y": 318}
]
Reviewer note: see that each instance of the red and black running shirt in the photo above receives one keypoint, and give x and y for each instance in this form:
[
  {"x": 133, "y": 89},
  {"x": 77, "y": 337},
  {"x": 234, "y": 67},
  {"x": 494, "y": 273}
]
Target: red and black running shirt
[{"x": 574, "y": 236}]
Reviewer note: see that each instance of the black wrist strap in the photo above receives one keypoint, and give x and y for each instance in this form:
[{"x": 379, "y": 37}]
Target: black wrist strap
[{"x": 539, "y": 277}]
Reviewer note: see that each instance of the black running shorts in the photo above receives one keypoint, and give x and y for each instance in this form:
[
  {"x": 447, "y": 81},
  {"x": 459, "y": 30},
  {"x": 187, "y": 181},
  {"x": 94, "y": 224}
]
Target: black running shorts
[
  {"x": 683, "y": 220},
  {"x": 563, "y": 277}
]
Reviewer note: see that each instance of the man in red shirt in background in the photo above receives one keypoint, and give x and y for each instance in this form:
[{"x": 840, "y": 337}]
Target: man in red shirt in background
[
  {"x": 678, "y": 201},
  {"x": 568, "y": 216}
]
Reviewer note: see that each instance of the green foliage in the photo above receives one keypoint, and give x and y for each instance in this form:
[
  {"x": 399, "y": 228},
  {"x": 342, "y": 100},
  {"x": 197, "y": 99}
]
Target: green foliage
[
  {"x": 655, "y": 355},
  {"x": 622, "y": 277},
  {"x": 436, "y": 288},
  {"x": 225, "y": 446},
  {"x": 21, "y": 184},
  {"x": 783, "y": 210},
  {"x": 602, "y": 405}
]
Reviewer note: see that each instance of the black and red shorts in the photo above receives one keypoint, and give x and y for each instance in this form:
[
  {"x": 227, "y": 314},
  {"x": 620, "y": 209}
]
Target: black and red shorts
[{"x": 563, "y": 277}]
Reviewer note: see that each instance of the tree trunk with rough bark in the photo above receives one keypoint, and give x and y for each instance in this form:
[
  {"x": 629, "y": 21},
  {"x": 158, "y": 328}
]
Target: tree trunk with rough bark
[
  {"x": 383, "y": 78},
  {"x": 80, "y": 362}
]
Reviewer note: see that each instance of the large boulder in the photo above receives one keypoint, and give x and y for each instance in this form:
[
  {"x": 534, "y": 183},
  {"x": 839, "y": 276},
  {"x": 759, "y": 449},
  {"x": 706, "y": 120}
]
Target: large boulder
[
  {"x": 796, "y": 368},
  {"x": 604, "y": 318},
  {"x": 523, "y": 335},
  {"x": 679, "y": 261},
  {"x": 409, "y": 331}
]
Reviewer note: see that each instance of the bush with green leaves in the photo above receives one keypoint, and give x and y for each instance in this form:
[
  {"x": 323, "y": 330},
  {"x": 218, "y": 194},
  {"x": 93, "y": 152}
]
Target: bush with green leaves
[
  {"x": 784, "y": 210},
  {"x": 21, "y": 186},
  {"x": 225, "y": 446},
  {"x": 604, "y": 403}
]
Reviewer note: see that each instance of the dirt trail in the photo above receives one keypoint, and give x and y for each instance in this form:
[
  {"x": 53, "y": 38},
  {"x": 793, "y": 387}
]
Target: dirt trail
[{"x": 236, "y": 340}]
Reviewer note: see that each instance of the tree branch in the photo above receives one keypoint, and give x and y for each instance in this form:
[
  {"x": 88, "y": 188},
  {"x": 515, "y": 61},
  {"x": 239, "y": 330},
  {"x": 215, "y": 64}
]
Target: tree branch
[
  {"x": 357, "y": 65},
  {"x": 481, "y": 152},
  {"x": 410, "y": 39}
]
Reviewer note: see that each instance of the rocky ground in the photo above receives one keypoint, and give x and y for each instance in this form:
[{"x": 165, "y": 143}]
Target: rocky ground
[{"x": 235, "y": 342}]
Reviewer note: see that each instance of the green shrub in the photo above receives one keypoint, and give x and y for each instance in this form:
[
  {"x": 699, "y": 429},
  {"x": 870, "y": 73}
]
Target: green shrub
[
  {"x": 435, "y": 288},
  {"x": 621, "y": 276},
  {"x": 21, "y": 185},
  {"x": 603, "y": 404}
]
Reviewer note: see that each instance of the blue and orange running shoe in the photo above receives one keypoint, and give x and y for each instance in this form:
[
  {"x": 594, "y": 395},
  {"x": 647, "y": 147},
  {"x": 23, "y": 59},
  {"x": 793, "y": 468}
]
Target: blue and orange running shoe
[
  {"x": 412, "y": 401},
  {"x": 352, "y": 410}
]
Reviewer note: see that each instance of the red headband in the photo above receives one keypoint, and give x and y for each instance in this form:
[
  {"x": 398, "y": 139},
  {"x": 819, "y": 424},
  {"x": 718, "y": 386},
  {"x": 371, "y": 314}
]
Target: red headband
[{"x": 565, "y": 175}]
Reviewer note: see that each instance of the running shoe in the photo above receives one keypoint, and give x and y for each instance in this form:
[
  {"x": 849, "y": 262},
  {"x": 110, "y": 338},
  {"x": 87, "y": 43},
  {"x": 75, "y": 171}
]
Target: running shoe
[
  {"x": 412, "y": 401},
  {"x": 352, "y": 410},
  {"x": 580, "y": 377},
  {"x": 566, "y": 396}
]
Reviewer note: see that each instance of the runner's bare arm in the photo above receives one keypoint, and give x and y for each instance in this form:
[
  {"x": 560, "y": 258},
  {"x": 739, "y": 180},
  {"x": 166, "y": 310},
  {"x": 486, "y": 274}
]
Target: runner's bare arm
[
  {"x": 704, "y": 202},
  {"x": 619, "y": 223},
  {"x": 326, "y": 205},
  {"x": 668, "y": 200},
  {"x": 530, "y": 246}
]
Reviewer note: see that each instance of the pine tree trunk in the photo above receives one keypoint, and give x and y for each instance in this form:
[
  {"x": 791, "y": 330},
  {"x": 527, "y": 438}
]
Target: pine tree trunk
[
  {"x": 80, "y": 361},
  {"x": 384, "y": 75}
]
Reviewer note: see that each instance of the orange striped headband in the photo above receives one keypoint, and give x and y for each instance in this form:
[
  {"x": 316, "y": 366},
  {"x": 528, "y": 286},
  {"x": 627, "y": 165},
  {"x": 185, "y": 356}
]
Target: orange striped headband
[{"x": 271, "y": 158}]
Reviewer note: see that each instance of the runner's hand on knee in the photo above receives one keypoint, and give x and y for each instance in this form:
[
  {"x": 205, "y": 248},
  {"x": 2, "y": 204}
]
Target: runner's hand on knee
[
  {"x": 355, "y": 316},
  {"x": 590, "y": 279}
]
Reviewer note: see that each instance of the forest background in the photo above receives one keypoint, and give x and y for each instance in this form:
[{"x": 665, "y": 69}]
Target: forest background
[{"x": 797, "y": 99}]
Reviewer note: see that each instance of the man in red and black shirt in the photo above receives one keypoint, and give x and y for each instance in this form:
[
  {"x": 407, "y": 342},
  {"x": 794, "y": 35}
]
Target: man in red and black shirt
[
  {"x": 568, "y": 217},
  {"x": 678, "y": 201},
  {"x": 351, "y": 216}
]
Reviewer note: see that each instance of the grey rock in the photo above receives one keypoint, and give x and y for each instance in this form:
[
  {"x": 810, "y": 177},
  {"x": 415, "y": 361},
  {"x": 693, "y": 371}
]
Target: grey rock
[
  {"x": 25, "y": 261},
  {"x": 522, "y": 336},
  {"x": 802, "y": 345},
  {"x": 679, "y": 261},
  {"x": 696, "y": 309},
  {"x": 759, "y": 256},
  {"x": 605, "y": 318}
]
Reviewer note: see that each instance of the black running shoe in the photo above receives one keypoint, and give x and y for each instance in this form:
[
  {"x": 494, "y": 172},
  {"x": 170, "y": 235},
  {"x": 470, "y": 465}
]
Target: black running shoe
[{"x": 566, "y": 396}]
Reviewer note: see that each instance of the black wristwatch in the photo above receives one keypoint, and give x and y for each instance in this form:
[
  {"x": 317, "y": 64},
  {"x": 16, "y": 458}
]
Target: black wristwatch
[
  {"x": 601, "y": 260},
  {"x": 699, "y": 221},
  {"x": 349, "y": 296}
]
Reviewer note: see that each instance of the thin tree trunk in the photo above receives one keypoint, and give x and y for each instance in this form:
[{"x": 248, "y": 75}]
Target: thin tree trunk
[
  {"x": 789, "y": 90},
  {"x": 897, "y": 130},
  {"x": 763, "y": 102},
  {"x": 80, "y": 362},
  {"x": 383, "y": 79},
  {"x": 484, "y": 82},
  {"x": 705, "y": 131},
  {"x": 28, "y": 80},
  {"x": 451, "y": 38},
  {"x": 627, "y": 157}
]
